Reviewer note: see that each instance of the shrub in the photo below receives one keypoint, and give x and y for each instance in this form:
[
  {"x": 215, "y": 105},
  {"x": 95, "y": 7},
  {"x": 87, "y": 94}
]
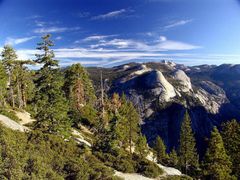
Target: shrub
[
  {"x": 119, "y": 162},
  {"x": 124, "y": 162},
  {"x": 124, "y": 165},
  {"x": 148, "y": 168}
]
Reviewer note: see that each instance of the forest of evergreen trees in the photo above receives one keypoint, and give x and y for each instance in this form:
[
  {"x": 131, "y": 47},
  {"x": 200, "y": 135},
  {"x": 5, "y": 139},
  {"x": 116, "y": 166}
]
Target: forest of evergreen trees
[{"x": 62, "y": 99}]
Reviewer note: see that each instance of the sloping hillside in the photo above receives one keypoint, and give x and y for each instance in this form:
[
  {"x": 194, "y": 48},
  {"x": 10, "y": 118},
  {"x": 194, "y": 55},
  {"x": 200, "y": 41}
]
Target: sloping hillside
[{"x": 79, "y": 138}]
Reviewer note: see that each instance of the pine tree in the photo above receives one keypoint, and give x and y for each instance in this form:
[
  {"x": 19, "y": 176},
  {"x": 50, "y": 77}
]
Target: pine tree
[
  {"x": 188, "y": 157},
  {"x": 116, "y": 102},
  {"x": 127, "y": 127},
  {"x": 217, "y": 163},
  {"x": 173, "y": 158},
  {"x": 160, "y": 150},
  {"x": 9, "y": 56},
  {"x": 142, "y": 147},
  {"x": 51, "y": 105},
  {"x": 231, "y": 139},
  {"x": 122, "y": 131},
  {"x": 18, "y": 77},
  {"x": 80, "y": 92},
  {"x": 23, "y": 82}
]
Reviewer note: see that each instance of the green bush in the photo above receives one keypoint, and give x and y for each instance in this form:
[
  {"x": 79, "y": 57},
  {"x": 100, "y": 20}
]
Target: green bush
[
  {"x": 148, "y": 168},
  {"x": 123, "y": 162},
  {"x": 124, "y": 165},
  {"x": 119, "y": 162}
]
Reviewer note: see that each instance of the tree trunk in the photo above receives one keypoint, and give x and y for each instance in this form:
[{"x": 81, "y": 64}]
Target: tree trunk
[
  {"x": 79, "y": 94},
  {"x": 102, "y": 100},
  {"x": 24, "y": 98},
  {"x": 20, "y": 103},
  {"x": 130, "y": 137},
  {"x": 1, "y": 98},
  {"x": 11, "y": 90}
]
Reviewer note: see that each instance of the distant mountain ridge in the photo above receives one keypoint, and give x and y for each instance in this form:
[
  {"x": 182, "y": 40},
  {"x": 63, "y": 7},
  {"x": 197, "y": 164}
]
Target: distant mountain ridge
[{"x": 162, "y": 91}]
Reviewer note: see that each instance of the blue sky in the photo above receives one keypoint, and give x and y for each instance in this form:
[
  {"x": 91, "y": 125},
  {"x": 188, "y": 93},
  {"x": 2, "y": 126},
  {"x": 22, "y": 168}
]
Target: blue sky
[{"x": 111, "y": 32}]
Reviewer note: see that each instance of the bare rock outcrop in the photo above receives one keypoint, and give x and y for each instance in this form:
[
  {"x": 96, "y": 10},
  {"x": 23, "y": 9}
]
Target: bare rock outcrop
[{"x": 184, "y": 80}]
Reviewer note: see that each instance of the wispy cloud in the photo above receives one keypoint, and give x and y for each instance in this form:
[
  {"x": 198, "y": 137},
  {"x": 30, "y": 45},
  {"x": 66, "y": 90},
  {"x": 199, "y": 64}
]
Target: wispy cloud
[
  {"x": 97, "y": 37},
  {"x": 163, "y": 44},
  {"x": 40, "y": 23},
  {"x": 177, "y": 23},
  {"x": 58, "y": 38},
  {"x": 109, "y": 15},
  {"x": 54, "y": 29},
  {"x": 87, "y": 57},
  {"x": 103, "y": 57},
  {"x": 15, "y": 41},
  {"x": 33, "y": 17},
  {"x": 106, "y": 50}
]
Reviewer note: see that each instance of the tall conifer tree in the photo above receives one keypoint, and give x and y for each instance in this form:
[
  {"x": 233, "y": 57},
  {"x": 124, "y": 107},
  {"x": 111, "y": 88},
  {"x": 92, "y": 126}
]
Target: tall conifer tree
[
  {"x": 9, "y": 56},
  {"x": 173, "y": 158},
  {"x": 160, "y": 150},
  {"x": 80, "y": 93},
  {"x": 217, "y": 163},
  {"x": 127, "y": 127},
  {"x": 23, "y": 82},
  {"x": 51, "y": 105},
  {"x": 231, "y": 139},
  {"x": 188, "y": 157},
  {"x": 142, "y": 147}
]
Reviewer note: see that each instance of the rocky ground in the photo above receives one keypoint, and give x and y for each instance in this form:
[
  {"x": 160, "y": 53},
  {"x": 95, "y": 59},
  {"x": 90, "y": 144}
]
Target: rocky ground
[{"x": 12, "y": 124}]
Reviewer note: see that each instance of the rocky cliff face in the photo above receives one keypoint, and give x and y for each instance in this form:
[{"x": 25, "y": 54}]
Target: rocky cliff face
[{"x": 164, "y": 91}]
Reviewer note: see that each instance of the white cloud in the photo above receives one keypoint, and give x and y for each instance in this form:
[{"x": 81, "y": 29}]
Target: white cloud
[
  {"x": 15, "y": 41},
  {"x": 26, "y": 53},
  {"x": 54, "y": 29},
  {"x": 58, "y": 38},
  {"x": 117, "y": 43},
  {"x": 78, "y": 53},
  {"x": 149, "y": 34},
  {"x": 168, "y": 45},
  {"x": 34, "y": 17},
  {"x": 112, "y": 14},
  {"x": 162, "y": 38},
  {"x": 178, "y": 23},
  {"x": 102, "y": 57},
  {"x": 97, "y": 37},
  {"x": 83, "y": 62},
  {"x": 163, "y": 44},
  {"x": 109, "y": 51},
  {"x": 40, "y": 23}
]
